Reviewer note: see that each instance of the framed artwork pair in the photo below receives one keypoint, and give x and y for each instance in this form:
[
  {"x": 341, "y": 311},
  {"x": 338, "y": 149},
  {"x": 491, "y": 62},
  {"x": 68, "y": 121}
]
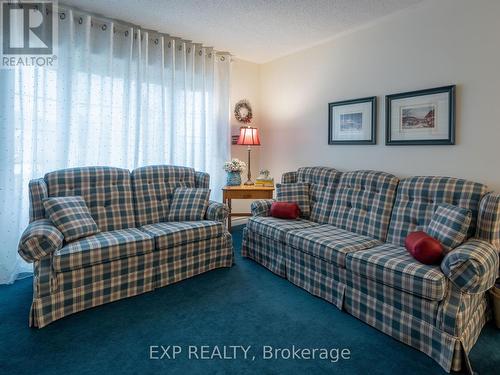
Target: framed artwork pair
[{"x": 423, "y": 117}]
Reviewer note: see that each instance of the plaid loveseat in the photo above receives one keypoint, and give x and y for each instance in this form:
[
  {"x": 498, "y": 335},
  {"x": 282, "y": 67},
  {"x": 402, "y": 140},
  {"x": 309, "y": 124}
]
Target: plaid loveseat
[
  {"x": 136, "y": 250},
  {"x": 350, "y": 252}
]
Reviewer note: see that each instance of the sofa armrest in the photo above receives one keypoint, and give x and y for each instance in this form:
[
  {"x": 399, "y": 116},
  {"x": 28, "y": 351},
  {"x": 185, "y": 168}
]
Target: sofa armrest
[
  {"x": 472, "y": 267},
  {"x": 488, "y": 221},
  {"x": 261, "y": 207},
  {"x": 217, "y": 211},
  {"x": 40, "y": 239}
]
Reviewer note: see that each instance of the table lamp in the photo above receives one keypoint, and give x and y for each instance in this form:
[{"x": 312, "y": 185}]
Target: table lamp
[{"x": 249, "y": 137}]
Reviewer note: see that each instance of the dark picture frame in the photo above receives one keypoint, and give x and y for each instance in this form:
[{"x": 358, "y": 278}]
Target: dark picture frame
[
  {"x": 356, "y": 119},
  {"x": 430, "y": 120}
]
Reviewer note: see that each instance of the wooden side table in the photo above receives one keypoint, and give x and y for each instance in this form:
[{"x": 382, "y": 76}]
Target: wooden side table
[{"x": 244, "y": 192}]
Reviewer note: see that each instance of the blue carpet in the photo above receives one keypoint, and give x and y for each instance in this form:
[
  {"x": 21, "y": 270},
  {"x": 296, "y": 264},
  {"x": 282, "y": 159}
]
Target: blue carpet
[{"x": 243, "y": 305}]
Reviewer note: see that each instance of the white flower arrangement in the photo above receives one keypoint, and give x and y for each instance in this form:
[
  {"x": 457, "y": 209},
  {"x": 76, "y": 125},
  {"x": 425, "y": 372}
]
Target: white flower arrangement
[{"x": 235, "y": 165}]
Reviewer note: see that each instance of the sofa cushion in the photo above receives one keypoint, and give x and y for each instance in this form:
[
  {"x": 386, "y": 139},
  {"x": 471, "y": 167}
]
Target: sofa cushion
[
  {"x": 107, "y": 193},
  {"x": 153, "y": 190},
  {"x": 274, "y": 228},
  {"x": 363, "y": 203},
  {"x": 393, "y": 266},
  {"x": 71, "y": 216},
  {"x": 284, "y": 210},
  {"x": 418, "y": 197},
  {"x": 102, "y": 247},
  {"x": 449, "y": 225},
  {"x": 295, "y": 193},
  {"x": 322, "y": 184},
  {"x": 328, "y": 242},
  {"x": 172, "y": 234},
  {"x": 188, "y": 204}
]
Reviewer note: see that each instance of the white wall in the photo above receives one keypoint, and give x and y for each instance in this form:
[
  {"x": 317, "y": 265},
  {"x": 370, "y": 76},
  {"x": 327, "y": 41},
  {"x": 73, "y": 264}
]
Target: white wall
[
  {"x": 438, "y": 43},
  {"x": 245, "y": 84}
]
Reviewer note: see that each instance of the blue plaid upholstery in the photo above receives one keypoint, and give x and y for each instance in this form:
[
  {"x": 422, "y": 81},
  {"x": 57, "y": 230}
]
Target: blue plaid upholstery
[
  {"x": 261, "y": 207},
  {"x": 402, "y": 326},
  {"x": 202, "y": 180},
  {"x": 275, "y": 228},
  {"x": 217, "y": 211},
  {"x": 82, "y": 289},
  {"x": 71, "y": 216},
  {"x": 266, "y": 251},
  {"x": 87, "y": 278},
  {"x": 54, "y": 294},
  {"x": 456, "y": 310},
  {"x": 472, "y": 267},
  {"x": 102, "y": 247},
  {"x": 449, "y": 225},
  {"x": 289, "y": 177},
  {"x": 418, "y": 197},
  {"x": 318, "y": 175},
  {"x": 38, "y": 192},
  {"x": 106, "y": 191},
  {"x": 439, "y": 311},
  {"x": 153, "y": 190},
  {"x": 173, "y": 234},
  {"x": 318, "y": 277},
  {"x": 189, "y": 204},
  {"x": 363, "y": 203},
  {"x": 488, "y": 223},
  {"x": 322, "y": 184},
  {"x": 297, "y": 193},
  {"x": 394, "y": 266},
  {"x": 190, "y": 259},
  {"x": 122, "y": 260},
  {"x": 328, "y": 242},
  {"x": 39, "y": 239}
]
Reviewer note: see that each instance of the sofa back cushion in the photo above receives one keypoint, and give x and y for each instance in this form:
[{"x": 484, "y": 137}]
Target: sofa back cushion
[
  {"x": 107, "y": 193},
  {"x": 417, "y": 199},
  {"x": 322, "y": 184},
  {"x": 363, "y": 202},
  {"x": 153, "y": 190}
]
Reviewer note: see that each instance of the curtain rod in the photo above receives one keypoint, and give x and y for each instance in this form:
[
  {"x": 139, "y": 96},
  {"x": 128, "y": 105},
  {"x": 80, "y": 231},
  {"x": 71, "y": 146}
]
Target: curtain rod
[{"x": 63, "y": 7}]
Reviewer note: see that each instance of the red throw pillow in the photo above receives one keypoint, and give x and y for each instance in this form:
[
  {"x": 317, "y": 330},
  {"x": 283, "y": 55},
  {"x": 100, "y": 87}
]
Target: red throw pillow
[
  {"x": 285, "y": 210},
  {"x": 424, "y": 248}
]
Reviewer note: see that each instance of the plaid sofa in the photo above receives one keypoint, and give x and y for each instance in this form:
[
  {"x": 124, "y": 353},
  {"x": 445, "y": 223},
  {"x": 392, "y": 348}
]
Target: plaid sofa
[
  {"x": 136, "y": 250},
  {"x": 351, "y": 253}
]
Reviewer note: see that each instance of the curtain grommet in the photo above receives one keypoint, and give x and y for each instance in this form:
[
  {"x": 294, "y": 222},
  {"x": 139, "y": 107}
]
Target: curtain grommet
[
  {"x": 62, "y": 16},
  {"x": 80, "y": 20},
  {"x": 126, "y": 32},
  {"x": 104, "y": 27},
  {"x": 156, "y": 41}
]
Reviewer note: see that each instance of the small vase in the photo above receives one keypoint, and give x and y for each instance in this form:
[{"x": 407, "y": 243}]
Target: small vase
[{"x": 233, "y": 178}]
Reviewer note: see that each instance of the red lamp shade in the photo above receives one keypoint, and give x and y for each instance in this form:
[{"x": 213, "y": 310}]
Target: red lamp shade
[{"x": 249, "y": 137}]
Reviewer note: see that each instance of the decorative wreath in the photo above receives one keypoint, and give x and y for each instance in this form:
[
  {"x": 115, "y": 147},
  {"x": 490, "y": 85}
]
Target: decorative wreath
[{"x": 243, "y": 111}]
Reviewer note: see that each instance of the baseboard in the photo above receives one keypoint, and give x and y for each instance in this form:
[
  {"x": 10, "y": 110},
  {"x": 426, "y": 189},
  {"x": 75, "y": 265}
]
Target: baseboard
[{"x": 239, "y": 221}]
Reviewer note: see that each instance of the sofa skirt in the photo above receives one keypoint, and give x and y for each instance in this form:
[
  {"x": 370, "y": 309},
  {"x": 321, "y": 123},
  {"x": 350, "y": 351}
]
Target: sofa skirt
[{"x": 264, "y": 251}]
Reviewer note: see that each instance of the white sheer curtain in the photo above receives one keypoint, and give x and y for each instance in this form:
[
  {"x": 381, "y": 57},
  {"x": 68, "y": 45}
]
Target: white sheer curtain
[{"x": 120, "y": 96}]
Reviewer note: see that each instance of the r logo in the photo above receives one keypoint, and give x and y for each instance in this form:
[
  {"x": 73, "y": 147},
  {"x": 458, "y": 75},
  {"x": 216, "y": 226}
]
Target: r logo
[{"x": 27, "y": 28}]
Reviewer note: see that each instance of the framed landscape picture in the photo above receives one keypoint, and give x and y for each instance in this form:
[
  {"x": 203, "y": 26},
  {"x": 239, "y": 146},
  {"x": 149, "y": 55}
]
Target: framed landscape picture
[
  {"x": 352, "y": 121},
  {"x": 424, "y": 117}
]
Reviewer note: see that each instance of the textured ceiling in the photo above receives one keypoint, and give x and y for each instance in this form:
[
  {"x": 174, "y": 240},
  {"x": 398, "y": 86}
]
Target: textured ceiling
[{"x": 254, "y": 30}]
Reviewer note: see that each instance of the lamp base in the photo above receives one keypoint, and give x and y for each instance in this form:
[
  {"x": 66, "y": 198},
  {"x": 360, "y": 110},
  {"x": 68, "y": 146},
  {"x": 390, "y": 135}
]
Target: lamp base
[{"x": 249, "y": 183}]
